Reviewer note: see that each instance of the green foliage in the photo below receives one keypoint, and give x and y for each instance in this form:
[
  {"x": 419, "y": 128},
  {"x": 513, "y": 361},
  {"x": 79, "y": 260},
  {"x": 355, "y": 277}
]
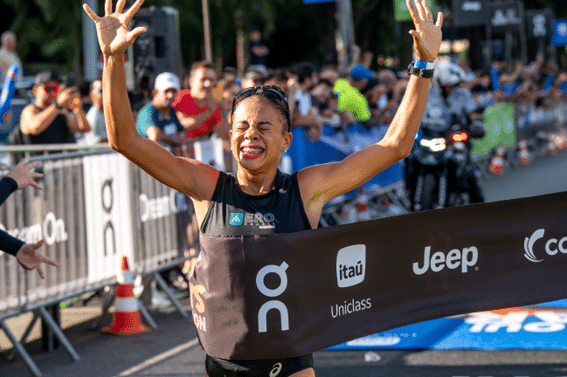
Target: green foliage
[
  {"x": 48, "y": 31},
  {"x": 51, "y": 30}
]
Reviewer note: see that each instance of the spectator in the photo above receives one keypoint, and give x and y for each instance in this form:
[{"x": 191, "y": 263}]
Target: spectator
[
  {"x": 252, "y": 78},
  {"x": 95, "y": 116},
  {"x": 157, "y": 120},
  {"x": 350, "y": 98},
  {"x": 197, "y": 109},
  {"x": 258, "y": 52},
  {"x": 229, "y": 73},
  {"x": 28, "y": 256},
  {"x": 56, "y": 114},
  {"x": 305, "y": 115},
  {"x": 8, "y": 55},
  {"x": 323, "y": 99},
  {"x": 329, "y": 72},
  {"x": 230, "y": 89}
]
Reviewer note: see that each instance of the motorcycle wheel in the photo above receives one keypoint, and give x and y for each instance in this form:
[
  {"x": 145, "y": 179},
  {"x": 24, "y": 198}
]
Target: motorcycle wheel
[{"x": 428, "y": 195}]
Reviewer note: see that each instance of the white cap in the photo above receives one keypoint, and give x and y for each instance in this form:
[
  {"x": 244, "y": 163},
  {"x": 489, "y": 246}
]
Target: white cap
[{"x": 165, "y": 81}]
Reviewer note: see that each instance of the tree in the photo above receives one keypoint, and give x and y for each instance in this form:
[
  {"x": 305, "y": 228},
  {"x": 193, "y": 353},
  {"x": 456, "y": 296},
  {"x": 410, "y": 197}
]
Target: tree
[{"x": 49, "y": 33}]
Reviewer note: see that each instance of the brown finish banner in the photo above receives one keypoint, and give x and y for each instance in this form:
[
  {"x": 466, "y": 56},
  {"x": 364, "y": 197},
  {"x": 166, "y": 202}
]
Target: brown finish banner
[{"x": 292, "y": 294}]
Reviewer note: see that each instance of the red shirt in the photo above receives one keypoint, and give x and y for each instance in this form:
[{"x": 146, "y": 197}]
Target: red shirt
[{"x": 185, "y": 104}]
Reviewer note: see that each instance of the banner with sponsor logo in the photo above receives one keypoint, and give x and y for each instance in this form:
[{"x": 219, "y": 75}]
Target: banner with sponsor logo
[
  {"x": 535, "y": 327},
  {"x": 292, "y": 294},
  {"x": 107, "y": 199}
]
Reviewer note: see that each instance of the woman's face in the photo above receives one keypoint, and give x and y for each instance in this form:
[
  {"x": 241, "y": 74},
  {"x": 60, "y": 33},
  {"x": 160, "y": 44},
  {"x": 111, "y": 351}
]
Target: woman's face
[{"x": 258, "y": 135}]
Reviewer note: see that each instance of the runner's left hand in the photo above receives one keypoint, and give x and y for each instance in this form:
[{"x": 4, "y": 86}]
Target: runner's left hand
[{"x": 427, "y": 34}]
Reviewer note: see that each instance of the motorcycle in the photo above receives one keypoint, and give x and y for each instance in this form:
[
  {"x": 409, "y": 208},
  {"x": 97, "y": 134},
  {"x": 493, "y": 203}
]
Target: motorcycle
[{"x": 439, "y": 170}]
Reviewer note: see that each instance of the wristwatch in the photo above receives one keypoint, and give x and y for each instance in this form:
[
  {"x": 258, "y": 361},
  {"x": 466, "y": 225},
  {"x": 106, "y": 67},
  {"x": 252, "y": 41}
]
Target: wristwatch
[{"x": 421, "y": 69}]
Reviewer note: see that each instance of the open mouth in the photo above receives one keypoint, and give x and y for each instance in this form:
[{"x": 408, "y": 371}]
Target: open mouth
[{"x": 251, "y": 151}]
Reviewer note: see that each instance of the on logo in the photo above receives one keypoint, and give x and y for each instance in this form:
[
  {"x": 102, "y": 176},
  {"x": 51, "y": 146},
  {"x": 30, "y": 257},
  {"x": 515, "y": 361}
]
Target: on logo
[
  {"x": 552, "y": 246},
  {"x": 351, "y": 265},
  {"x": 268, "y": 292},
  {"x": 236, "y": 219}
]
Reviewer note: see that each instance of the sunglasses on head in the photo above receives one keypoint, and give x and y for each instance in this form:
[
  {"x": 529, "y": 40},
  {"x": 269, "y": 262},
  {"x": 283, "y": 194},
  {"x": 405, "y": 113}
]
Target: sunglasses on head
[{"x": 271, "y": 92}]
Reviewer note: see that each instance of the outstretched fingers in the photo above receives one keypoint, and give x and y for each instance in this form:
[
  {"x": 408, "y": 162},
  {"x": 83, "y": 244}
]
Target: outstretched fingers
[
  {"x": 134, "y": 33},
  {"x": 120, "y": 6},
  {"x": 91, "y": 13},
  {"x": 108, "y": 7},
  {"x": 439, "y": 22},
  {"x": 428, "y": 14},
  {"x": 133, "y": 9},
  {"x": 421, "y": 9}
]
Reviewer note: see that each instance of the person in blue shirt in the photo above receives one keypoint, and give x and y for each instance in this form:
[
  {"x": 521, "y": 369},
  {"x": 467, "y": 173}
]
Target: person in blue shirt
[
  {"x": 21, "y": 176},
  {"x": 157, "y": 120}
]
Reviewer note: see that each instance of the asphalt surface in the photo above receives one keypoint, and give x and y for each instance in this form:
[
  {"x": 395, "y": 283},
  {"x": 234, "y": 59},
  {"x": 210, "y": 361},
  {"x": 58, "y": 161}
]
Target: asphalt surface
[{"x": 172, "y": 350}]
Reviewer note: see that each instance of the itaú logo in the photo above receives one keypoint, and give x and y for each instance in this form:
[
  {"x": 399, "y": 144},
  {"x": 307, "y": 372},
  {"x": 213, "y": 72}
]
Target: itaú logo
[{"x": 552, "y": 246}]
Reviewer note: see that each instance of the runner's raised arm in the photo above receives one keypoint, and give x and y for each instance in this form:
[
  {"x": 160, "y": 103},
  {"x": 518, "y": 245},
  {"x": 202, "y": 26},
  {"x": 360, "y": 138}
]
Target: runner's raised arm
[
  {"x": 191, "y": 177},
  {"x": 321, "y": 183}
]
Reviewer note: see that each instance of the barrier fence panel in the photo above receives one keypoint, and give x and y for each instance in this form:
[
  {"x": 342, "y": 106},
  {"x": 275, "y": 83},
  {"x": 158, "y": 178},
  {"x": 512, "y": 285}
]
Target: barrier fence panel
[{"x": 162, "y": 216}]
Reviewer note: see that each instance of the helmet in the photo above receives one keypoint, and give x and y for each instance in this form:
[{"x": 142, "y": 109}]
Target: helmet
[{"x": 447, "y": 73}]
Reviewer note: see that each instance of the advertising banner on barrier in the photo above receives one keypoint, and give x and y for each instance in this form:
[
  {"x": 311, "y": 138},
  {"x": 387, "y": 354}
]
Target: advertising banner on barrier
[
  {"x": 292, "y": 294},
  {"x": 57, "y": 215},
  {"x": 162, "y": 220},
  {"x": 500, "y": 124},
  {"x": 107, "y": 201}
]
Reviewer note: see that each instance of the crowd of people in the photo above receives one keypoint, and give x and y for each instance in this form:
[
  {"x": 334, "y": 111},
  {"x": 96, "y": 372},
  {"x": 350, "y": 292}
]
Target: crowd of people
[{"x": 178, "y": 110}]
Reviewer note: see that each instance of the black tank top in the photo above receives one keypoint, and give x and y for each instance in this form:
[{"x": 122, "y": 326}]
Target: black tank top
[
  {"x": 232, "y": 212},
  {"x": 57, "y": 133}
]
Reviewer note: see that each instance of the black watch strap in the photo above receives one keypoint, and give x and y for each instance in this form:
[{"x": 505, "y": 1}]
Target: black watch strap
[{"x": 423, "y": 73}]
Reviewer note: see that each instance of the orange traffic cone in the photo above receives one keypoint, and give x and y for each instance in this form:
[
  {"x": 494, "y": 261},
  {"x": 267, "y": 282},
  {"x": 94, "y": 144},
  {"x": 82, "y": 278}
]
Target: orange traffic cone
[
  {"x": 497, "y": 164},
  {"x": 523, "y": 154},
  {"x": 126, "y": 319},
  {"x": 551, "y": 147}
]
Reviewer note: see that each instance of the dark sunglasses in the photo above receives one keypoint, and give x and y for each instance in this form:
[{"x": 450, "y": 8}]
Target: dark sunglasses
[
  {"x": 52, "y": 89},
  {"x": 271, "y": 92}
]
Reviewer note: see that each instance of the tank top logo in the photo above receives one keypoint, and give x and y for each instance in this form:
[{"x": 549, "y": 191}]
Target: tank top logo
[
  {"x": 259, "y": 220},
  {"x": 236, "y": 219}
]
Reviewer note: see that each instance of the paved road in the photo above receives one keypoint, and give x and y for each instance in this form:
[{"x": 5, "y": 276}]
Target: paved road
[{"x": 172, "y": 350}]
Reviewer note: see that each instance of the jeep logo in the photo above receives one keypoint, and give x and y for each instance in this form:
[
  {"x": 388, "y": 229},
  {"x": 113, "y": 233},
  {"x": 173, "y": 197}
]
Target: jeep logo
[{"x": 454, "y": 258}]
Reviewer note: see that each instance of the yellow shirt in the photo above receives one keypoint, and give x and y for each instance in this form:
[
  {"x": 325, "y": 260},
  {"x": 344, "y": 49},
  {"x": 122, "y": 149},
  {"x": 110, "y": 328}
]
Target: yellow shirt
[{"x": 349, "y": 98}]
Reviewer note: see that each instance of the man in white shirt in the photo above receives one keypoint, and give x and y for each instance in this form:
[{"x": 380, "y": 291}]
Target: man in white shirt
[{"x": 8, "y": 55}]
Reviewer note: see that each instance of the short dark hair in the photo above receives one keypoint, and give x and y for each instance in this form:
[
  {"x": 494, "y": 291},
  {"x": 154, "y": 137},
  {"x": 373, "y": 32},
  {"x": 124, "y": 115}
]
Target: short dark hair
[
  {"x": 304, "y": 71},
  {"x": 200, "y": 64}
]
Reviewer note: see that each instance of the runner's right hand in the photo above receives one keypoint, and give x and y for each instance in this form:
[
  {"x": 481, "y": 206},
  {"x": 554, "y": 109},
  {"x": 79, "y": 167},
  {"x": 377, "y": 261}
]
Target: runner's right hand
[{"x": 112, "y": 29}]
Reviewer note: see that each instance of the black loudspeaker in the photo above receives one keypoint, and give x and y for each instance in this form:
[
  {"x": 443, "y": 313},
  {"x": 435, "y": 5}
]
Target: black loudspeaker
[{"x": 158, "y": 49}]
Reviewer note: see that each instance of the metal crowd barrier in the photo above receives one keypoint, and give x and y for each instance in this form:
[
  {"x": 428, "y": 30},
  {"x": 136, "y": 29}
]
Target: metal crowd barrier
[{"x": 95, "y": 207}]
